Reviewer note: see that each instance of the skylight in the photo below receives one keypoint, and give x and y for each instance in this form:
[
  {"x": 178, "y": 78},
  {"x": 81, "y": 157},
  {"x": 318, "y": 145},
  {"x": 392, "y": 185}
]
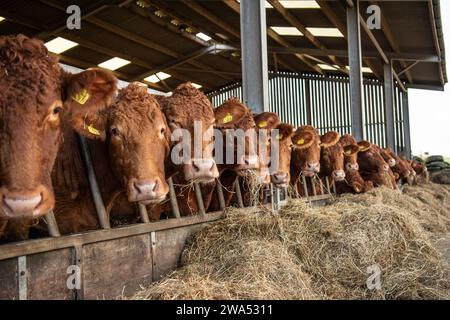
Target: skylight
[
  {"x": 317, "y": 32},
  {"x": 155, "y": 78},
  {"x": 203, "y": 36},
  {"x": 196, "y": 85},
  {"x": 114, "y": 63},
  {"x": 59, "y": 45},
  {"x": 2, "y": 18},
  {"x": 287, "y": 31}
]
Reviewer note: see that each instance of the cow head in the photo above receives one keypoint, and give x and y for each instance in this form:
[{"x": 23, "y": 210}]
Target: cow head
[
  {"x": 332, "y": 156},
  {"x": 388, "y": 155},
  {"x": 281, "y": 177},
  {"x": 232, "y": 116},
  {"x": 306, "y": 150},
  {"x": 138, "y": 139},
  {"x": 373, "y": 167},
  {"x": 401, "y": 168},
  {"x": 186, "y": 108},
  {"x": 34, "y": 92}
]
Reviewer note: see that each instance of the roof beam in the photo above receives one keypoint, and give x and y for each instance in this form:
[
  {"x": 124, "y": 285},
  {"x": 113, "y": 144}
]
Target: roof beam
[
  {"x": 275, "y": 36},
  {"x": 299, "y": 26}
]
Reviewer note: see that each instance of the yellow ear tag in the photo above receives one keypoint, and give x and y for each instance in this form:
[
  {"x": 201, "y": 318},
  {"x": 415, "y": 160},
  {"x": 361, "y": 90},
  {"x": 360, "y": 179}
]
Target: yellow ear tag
[
  {"x": 363, "y": 148},
  {"x": 262, "y": 124},
  {"x": 228, "y": 118},
  {"x": 279, "y": 136},
  {"x": 357, "y": 190},
  {"x": 81, "y": 97},
  {"x": 301, "y": 141},
  {"x": 93, "y": 131},
  {"x": 348, "y": 152}
]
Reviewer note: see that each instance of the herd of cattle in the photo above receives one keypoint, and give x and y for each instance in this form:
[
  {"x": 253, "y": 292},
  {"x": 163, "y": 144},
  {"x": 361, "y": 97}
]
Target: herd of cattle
[{"x": 43, "y": 108}]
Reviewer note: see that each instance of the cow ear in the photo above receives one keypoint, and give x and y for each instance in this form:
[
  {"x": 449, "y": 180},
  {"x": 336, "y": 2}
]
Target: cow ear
[
  {"x": 350, "y": 150},
  {"x": 285, "y": 131},
  {"x": 267, "y": 120},
  {"x": 228, "y": 116},
  {"x": 302, "y": 139},
  {"x": 364, "y": 146},
  {"x": 93, "y": 126},
  {"x": 86, "y": 94},
  {"x": 329, "y": 139}
]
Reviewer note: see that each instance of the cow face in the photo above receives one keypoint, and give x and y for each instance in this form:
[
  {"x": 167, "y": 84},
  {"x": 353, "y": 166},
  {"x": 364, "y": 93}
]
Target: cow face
[
  {"x": 138, "y": 138},
  {"x": 372, "y": 165},
  {"x": 306, "y": 150},
  {"x": 281, "y": 177},
  {"x": 34, "y": 92},
  {"x": 189, "y": 108},
  {"x": 233, "y": 116},
  {"x": 387, "y": 155},
  {"x": 401, "y": 169},
  {"x": 332, "y": 156}
]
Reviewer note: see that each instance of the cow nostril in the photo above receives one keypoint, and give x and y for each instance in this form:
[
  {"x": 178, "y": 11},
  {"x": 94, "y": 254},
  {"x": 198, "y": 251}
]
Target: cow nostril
[{"x": 195, "y": 167}]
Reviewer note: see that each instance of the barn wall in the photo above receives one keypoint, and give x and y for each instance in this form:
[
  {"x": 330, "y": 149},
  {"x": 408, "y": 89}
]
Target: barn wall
[{"x": 327, "y": 99}]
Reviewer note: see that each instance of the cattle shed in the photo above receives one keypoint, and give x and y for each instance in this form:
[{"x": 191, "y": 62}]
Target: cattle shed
[
  {"x": 324, "y": 63},
  {"x": 315, "y": 62}
]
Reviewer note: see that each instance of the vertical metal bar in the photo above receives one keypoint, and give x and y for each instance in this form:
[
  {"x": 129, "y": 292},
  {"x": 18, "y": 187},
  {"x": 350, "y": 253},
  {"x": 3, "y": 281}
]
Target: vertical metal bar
[
  {"x": 22, "y": 277},
  {"x": 354, "y": 51},
  {"x": 334, "y": 186},
  {"x": 321, "y": 187},
  {"x": 173, "y": 199},
  {"x": 52, "y": 226},
  {"x": 93, "y": 185},
  {"x": 313, "y": 185},
  {"x": 308, "y": 102},
  {"x": 143, "y": 213},
  {"x": 327, "y": 181},
  {"x": 78, "y": 261},
  {"x": 237, "y": 187},
  {"x": 389, "y": 105},
  {"x": 254, "y": 55},
  {"x": 220, "y": 196},
  {"x": 154, "y": 265},
  {"x": 406, "y": 124},
  {"x": 198, "y": 196},
  {"x": 276, "y": 198},
  {"x": 305, "y": 186}
]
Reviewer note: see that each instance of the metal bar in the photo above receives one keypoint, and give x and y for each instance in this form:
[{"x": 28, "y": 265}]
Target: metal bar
[
  {"x": 406, "y": 124},
  {"x": 22, "y": 276},
  {"x": 153, "y": 246},
  {"x": 78, "y": 261},
  {"x": 407, "y": 68},
  {"x": 198, "y": 196},
  {"x": 220, "y": 196},
  {"x": 25, "y": 248},
  {"x": 389, "y": 105},
  {"x": 327, "y": 181},
  {"x": 254, "y": 55},
  {"x": 313, "y": 185},
  {"x": 52, "y": 225},
  {"x": 356, "y": 78},
  {"x": 143, "y": 213},
  {"x": 305, "y": 186},
  {"x": 173, "y": 199},
  {"x": 238, "y": 193},
  {"x": 93, "y": 185},
  {"x": 334, "y": 186},
  {"x": 308, "y": 102},
  {"x": 321, "y": 187},
  {"x": 425, "y": 87}
]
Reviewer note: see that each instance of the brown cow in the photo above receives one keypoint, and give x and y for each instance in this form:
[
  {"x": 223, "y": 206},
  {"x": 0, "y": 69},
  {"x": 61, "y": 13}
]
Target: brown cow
[
  {"x": 129, "y": 162},
  {"x": 305, "y": 159},
  {"x": 372, "y": 166},
  {"x": 332, "y": 157},
  {"x": 281, "y": 177},
  {"x": 33, "y": 92},
  {"x": 422, "y": 175},
  {"x": 403, "y": 171},
  {"x": 353, "y": 183}
]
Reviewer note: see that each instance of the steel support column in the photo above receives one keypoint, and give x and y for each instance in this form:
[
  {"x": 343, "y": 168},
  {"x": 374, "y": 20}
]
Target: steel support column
[
  {"x": 406, "y": 125},
  {"x": 255, "y": 80},
  {"x": 389, "y": 105},
  {"x": 356, "y": 78}
]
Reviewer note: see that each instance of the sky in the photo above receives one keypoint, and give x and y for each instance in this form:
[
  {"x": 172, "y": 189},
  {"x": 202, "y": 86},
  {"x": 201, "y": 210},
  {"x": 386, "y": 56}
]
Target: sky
[{"x": 430, "y": 110}]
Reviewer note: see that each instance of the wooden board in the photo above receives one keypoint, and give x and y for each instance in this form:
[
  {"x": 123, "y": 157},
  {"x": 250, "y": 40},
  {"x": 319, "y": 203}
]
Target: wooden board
[{"x": 8, "y": 280}]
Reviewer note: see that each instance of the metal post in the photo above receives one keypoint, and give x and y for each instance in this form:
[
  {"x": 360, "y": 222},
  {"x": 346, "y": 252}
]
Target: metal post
[
  {"x": 173, "y": 199},
  {"x": 220, "y": 194},
  {"x": 356, "y": 78},
  {"x": 389, "y": 105},
  {"x": 52, "y": 226},
  {"x": 93, "y": 185},
  {"x": 406, "y": 125},
  {"x": 255, "y": 82},
  {"x": 238, "y": 193},
  {"x": 143, "y": 213},
  {"x": 198, "y": 195}
]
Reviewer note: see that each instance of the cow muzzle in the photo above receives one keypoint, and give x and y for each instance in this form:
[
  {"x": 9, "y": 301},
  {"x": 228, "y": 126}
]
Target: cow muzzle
[
  {"x": 311, "y": 169},
  {"x": 248, "y": 163},
  {"x": 280, "y": 179},
  {"x": 201, "y": 170},
  {"x": 26, "y": 204},
  {"x": 147, "y": 191},
  {"x": 338, "y": 175}
]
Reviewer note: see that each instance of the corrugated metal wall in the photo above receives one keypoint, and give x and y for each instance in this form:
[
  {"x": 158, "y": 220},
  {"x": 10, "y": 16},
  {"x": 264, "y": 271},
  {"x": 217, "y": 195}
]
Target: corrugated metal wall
[{"x": 293, "y": 97}]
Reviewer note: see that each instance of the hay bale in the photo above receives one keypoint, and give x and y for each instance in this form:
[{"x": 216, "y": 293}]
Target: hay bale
[{"x": 305, "y": 252}]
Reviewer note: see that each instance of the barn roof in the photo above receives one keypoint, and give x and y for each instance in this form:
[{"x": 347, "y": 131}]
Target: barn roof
[{"x": 166, "y": 36}]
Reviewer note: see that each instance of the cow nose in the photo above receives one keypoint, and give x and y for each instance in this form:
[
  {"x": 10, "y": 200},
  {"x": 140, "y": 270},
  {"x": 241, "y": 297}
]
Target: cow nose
[
  {"x": 249, "y": 162},
  {"x": 17, "y": 206},
  {"x": 354, "y": 166},
  {"x": 201, "y": 170},
  {"x": 313, "y": 166},
  {"x": 385, "y": 167},
  {"x": 280, "y": 178},
  {"x": 338, "y": 175},
  {"x": 391, "y": 162},
  {"x": 146, "y": 190}
]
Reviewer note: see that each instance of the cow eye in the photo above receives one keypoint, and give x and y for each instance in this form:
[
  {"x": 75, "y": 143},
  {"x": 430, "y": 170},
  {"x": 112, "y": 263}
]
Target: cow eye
[
  {"x": 163, "y": 130},
  {"x": 114, "y": 131},
  {"x": 57, "y": 110}
]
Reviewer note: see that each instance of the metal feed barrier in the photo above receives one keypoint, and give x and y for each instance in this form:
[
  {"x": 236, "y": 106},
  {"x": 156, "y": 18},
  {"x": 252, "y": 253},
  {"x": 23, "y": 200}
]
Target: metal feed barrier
[{"x": 110, "y": 262}]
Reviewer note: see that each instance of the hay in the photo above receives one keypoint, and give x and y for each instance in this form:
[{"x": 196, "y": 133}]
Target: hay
[{"x": 306, "y": 252}]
